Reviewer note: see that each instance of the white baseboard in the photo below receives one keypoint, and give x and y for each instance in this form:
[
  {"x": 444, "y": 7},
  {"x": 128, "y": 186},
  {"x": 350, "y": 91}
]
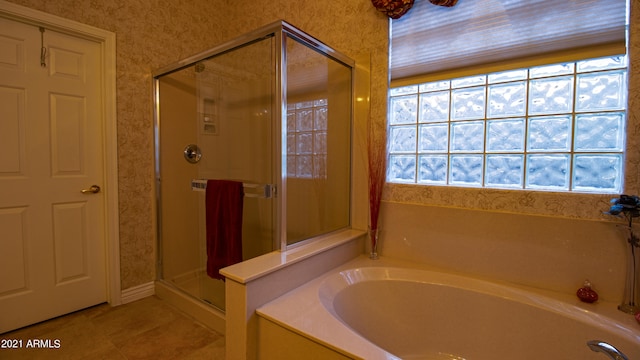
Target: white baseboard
[{"x": 137, "y": 292}]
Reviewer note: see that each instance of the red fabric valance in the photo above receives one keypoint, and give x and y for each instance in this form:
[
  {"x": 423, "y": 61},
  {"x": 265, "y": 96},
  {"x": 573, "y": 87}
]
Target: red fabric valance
[{"x": 396, "y": 8}]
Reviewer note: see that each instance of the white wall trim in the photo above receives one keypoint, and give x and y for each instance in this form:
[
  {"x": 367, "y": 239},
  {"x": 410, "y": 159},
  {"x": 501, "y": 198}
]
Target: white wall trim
[
  {"x": 107, "y": 40},
  {"x": 138, "y": 292}
]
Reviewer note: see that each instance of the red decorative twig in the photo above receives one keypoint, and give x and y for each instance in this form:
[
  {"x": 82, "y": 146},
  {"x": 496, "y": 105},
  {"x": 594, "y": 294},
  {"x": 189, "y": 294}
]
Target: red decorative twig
[{"x": 376, "y": 148}]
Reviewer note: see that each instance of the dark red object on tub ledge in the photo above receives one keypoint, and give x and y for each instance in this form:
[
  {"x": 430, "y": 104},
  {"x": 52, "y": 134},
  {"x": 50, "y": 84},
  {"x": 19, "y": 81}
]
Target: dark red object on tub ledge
[{"x": 586, "y": 293}]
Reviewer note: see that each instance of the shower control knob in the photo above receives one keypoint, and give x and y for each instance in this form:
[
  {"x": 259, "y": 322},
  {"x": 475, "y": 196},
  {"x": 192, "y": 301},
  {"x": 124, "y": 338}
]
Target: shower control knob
[{"x": 192, "y": 153}]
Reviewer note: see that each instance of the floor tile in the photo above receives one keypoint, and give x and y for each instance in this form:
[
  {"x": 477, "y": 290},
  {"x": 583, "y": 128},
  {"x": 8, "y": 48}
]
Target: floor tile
[{"x": 145, "y": 329}]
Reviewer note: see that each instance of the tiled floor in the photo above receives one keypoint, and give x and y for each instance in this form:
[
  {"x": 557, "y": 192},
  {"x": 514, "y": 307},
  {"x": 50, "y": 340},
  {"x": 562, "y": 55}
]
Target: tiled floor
[{"x": 144, "y": 329}]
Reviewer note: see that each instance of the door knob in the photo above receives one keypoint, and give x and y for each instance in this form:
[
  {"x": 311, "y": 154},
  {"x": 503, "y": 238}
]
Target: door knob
[{"x": 92, "y": 190}]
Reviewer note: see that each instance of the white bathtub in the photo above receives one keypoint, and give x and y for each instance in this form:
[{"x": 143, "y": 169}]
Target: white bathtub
[{"x": 384, "y": 310}]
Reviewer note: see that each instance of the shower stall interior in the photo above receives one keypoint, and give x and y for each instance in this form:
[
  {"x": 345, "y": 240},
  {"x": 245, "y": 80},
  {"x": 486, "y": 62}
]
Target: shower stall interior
[{"x": 271, "y": 109}]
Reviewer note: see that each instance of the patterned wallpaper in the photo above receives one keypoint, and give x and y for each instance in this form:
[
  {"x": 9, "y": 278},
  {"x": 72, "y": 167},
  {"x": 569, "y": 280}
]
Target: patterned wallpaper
[{"x": 151, "y": 34}]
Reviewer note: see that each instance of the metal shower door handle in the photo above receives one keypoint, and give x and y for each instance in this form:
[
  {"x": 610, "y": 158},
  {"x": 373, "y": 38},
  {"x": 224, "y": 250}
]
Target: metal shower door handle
[{"x": 92, "y": 190}]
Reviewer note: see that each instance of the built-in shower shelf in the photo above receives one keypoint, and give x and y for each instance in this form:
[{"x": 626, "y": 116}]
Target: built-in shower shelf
[{"x": 250, "y": 189}]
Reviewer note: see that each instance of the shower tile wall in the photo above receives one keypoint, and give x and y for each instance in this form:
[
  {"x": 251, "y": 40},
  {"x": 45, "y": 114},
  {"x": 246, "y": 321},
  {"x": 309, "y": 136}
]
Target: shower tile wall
[{"x": 234, "y": 97}]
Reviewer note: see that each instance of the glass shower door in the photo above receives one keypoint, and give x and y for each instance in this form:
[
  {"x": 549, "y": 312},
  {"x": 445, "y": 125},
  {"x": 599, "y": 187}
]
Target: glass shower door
[
  {"x": 318, "y": 146},
  {"x": 222, "y": 106}
]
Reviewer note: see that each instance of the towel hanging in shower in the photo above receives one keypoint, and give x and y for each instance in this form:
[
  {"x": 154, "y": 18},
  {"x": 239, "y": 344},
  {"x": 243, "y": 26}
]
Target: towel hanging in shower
[{"x": 223, "y": 200}]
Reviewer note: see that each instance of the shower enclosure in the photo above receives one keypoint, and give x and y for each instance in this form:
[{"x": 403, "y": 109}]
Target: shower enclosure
[{"x": 273, "y": 110}]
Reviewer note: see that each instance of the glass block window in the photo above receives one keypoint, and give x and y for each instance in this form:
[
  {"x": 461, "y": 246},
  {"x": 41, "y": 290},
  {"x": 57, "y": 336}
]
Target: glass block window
[
  {"x": 307, "y": 139},
  {"x": 556, "y": 127}
]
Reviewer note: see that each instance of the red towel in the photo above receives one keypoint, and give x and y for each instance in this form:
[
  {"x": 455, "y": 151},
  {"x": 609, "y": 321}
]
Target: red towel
[{"x": 224, "y": 200}]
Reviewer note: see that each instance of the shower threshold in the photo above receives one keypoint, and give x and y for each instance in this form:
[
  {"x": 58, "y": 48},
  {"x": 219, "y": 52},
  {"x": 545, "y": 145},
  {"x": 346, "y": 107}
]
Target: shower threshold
[{"x": 204, "y": 312}]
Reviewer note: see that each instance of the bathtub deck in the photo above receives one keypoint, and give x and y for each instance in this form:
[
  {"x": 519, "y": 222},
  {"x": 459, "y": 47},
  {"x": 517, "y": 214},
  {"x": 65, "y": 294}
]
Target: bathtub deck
[{"x": 302, "y": 312}]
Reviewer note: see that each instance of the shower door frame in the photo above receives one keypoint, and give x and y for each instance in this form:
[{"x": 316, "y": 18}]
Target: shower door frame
[
  {"x": 280, "y": 31},
  {"x": 290, "y": 31}
]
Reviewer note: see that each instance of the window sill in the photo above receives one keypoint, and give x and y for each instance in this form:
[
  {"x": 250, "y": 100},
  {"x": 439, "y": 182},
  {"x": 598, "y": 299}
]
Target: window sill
[{"x": 570, "y": 205}]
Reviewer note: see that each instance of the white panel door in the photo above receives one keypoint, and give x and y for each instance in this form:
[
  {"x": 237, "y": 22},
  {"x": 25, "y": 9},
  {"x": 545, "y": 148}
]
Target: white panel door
[{"x": 52, "y": 242}]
